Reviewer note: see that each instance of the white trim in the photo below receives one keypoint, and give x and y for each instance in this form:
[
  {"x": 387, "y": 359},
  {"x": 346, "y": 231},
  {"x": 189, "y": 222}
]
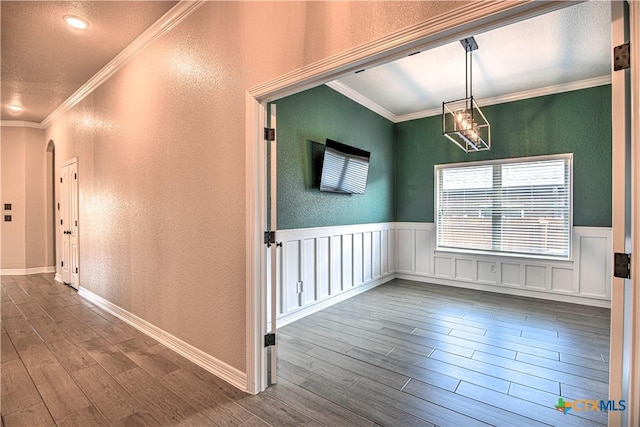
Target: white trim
[
  {"x": 169, "y": 20},
  {"x": 25, "y": 271},
  {"x": 255, "y": 271},
  {"x": 220, "y": 369},
  {"x": 619, "y": 155},
  {"x": 362, "y": 100},
  {"x": 506, "y": 160},
  {"x": 21, "y": 124},
  {"x": 633, "y": 417},
  {"x": 57, "y": 277},
  {"x": 441, "y": 29},
  {"x": 311, "y": 232},
  {"x": 517, "y": 96},
  {"x": 306, "y": 311}
]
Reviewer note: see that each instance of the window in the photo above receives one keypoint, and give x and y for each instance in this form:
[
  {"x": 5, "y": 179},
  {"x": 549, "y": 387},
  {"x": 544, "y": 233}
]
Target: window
[{"x": 513, "y": 206}]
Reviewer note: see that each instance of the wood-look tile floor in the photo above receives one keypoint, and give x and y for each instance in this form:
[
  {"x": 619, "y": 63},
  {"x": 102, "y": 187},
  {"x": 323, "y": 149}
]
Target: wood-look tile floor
[
  {"x": 408, "y": 353},
  {"x": 402, "y": 354}
]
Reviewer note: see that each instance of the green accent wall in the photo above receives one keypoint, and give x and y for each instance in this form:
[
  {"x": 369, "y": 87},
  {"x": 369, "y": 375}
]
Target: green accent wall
[
  {"x": 304, "y": 122},
  {"x": 577, "y": 122},
  {"x": 400, "y": 182}
]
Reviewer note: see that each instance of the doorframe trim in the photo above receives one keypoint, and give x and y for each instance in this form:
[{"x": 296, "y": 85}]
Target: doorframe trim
[
  {"x": 634, "y": 383},
  {"x": 451, "y": 26}
]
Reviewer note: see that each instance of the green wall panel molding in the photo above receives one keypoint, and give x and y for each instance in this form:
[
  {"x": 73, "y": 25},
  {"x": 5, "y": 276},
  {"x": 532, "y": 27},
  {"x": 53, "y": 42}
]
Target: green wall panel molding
[
  {"x": 304, "y": 122},
  {"x": 577, "y": 122}
]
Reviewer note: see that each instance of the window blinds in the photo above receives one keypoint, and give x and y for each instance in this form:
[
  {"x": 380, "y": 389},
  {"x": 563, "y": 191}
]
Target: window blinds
[{"x": 518, "y": 206}]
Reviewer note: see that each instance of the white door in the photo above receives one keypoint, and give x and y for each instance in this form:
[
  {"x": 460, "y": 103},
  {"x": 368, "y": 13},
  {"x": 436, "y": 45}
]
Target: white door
[
  {"x": 621, "y": 372},
  {"x": 271, "y": 244},
  {"x": 69, "y": 223}
]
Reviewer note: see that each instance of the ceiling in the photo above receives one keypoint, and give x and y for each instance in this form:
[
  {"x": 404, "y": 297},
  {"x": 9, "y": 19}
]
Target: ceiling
[
  {"x": 44, "y": 61},
  {"x": 562, "y": 50}
]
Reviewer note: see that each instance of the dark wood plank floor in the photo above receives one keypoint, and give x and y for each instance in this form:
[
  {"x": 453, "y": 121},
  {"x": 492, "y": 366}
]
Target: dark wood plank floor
[{"x": 402, "y": 354}]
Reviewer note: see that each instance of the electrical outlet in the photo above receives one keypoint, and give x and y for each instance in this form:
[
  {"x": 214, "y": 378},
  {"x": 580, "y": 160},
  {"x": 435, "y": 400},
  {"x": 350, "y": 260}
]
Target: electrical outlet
[
  {"x": 492, "y": 268},
  {"x": 299, "y": 287}
]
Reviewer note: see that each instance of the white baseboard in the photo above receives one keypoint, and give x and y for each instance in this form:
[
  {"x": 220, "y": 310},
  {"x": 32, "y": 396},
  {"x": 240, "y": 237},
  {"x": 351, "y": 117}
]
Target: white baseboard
[
  {"x": 305, "y": 311},
  {"x": 58, "y": 278},
  {"x": 220, "y": 369},
  {"x": 531, "y": 293},
  {"x": 25, "y": 271}
]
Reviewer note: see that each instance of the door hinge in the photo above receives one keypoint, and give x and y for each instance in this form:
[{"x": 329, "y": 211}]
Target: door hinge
[
  {"x": 622, "y": 265},
  {"x": 60, "y": 179},
  {"x": 75, "y": 176},
  {"x": 269, "y": 134},
  {"x": 61, "y": 263},
  {"x": 60, "y": 222},
  {"x": 58, "y": 206},
  {"x": 76, "y": 270},
  {"x": 76, "y": 223},
  {"x": 269, "y": 340},
  {"x": 621, "y": 57},
  {"x": 269, "y": 238}
]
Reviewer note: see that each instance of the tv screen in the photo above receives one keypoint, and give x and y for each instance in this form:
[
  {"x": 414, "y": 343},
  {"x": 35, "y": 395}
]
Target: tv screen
[{"x": 344, "y": 168}]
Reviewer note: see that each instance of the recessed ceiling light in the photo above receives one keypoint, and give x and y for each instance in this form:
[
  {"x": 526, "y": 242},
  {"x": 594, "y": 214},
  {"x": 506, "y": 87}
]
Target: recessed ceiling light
[
  {"x": 15, "y": 108},
  {"x": 76, "y": 22}
]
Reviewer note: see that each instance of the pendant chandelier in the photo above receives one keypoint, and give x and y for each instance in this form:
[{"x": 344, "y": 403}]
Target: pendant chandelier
[{"x": 462, "y": 121}]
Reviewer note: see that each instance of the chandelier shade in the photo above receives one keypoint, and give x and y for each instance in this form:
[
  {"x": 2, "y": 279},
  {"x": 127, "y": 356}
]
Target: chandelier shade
[{"x": 463, "y": 122}]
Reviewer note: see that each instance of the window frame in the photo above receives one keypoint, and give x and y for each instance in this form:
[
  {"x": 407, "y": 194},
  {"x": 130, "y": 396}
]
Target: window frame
[{"x": 568, "y": 157}]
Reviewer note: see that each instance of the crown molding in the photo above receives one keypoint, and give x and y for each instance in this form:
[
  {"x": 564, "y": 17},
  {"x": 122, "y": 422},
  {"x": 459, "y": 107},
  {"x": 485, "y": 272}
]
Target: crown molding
[
  {"x": 173, "y": 17},
  {"x": 21, "y": 124},
  {"x": 362, "y": 100},
  {"x": 517, "y": 96}
]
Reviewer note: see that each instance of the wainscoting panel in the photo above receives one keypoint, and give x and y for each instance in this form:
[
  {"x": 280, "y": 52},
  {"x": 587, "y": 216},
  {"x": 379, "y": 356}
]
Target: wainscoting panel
[
  {"x": 308, "y": 258},
  {"x": 347, "y": 261},
  {"x": 376, "y": 254},
  {"x": 333, "y": 263},
  {"x": 336, "y": 264},
  {"x": 290, "y": 275},
  {"x": 367, "y": 257},
  {"x": 323, "y": 266},
  {"x": 406, "y": 250},
  {"x": 358, "y": 259},
  {"x": 424, "y": 248},
  {"x": 464, "y": 269},
  {"x": 585, "y": 279},
  {"x": 535, "y": 276},
  {"x": 592, "y": 249}
]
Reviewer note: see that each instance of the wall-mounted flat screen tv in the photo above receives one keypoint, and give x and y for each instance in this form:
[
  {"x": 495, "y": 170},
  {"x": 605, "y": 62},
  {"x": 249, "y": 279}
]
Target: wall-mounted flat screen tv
[{"x": 344, "y": 168}]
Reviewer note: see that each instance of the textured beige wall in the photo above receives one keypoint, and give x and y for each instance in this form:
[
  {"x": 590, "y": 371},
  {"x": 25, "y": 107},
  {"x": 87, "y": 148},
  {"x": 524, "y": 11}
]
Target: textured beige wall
[
  {"x": 23, "y": 185},
  {"x": 13, "y": 191},
  {"x": 35, "y": 199},
  {"x": 161, "y": 151}
]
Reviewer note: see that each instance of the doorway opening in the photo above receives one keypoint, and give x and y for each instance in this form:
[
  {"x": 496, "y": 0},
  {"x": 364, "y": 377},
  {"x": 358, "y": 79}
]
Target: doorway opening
[{"x": 256, "y": 101}]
